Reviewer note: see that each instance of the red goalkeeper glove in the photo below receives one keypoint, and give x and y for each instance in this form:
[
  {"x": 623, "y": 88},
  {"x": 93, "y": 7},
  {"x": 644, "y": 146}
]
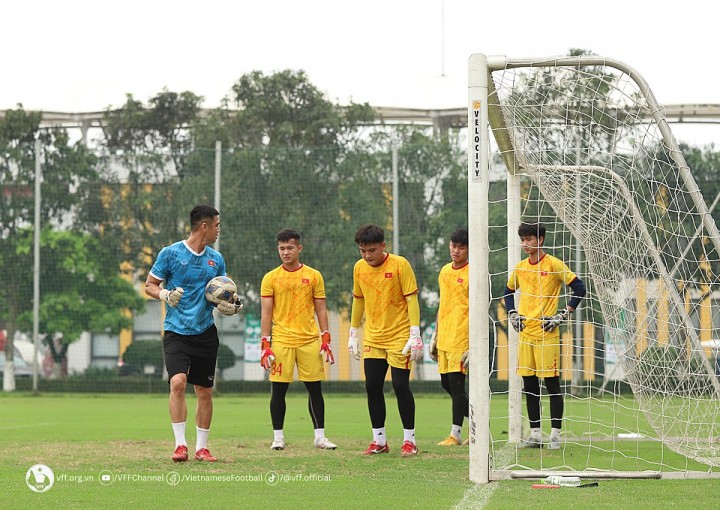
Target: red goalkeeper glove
[
  {"x": 325, "y": 347},
  {"x": 267, "y": 356}
]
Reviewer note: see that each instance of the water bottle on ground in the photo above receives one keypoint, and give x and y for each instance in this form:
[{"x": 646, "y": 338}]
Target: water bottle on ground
[{"x": 563, "y": 481}]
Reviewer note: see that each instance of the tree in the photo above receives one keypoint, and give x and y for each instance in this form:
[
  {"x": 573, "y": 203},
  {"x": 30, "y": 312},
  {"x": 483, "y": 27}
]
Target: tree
[
  {"x": 292, "y": 159},
  {"x": 147, "y": 149},
  {"x": 67, "y": 170},
  {"x": 79, "y": 291}
]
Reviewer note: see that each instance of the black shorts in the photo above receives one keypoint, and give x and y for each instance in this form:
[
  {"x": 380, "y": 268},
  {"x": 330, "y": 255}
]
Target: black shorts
[{"x": 194, "y": 355}]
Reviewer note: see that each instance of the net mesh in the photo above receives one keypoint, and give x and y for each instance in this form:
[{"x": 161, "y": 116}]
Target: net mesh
[{"x": 624, "y": 212}]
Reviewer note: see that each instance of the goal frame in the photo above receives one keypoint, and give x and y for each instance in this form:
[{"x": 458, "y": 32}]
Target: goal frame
[{"x": 483, "y": 116}]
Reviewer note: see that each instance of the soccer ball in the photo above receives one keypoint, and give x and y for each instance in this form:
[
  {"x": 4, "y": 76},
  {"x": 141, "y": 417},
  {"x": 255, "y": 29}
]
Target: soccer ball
[{"x": 220, "y": 288}]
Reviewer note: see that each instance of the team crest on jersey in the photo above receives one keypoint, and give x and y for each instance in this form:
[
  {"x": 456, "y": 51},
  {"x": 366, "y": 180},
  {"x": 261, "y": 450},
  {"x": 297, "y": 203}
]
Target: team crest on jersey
[
  {"x": 460, "y": 280},
  {"x": 543, "y": 273},
  {"x": 306, "y": 280},
  {"x": 211, "y": 263},
  {"x": 388, "y": 275}
]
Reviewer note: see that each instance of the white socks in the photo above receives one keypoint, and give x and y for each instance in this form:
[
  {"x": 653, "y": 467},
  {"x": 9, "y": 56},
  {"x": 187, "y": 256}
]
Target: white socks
[
  {"x": 409, "y": 435},
  {"x": 379, "y": 436},
  {"x": 456, "y": 432},
  {"x": 202, "y": 438},
  {"x": 179, "y": 431}
]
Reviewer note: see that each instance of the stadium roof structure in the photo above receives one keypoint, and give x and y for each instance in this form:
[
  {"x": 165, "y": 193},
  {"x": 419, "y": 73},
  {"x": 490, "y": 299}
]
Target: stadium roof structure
[{"x": 441, "y": 120}]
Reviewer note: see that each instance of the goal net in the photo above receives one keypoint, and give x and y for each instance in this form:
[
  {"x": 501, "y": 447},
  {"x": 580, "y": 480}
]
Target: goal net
[{"x": 581, "y": 145}]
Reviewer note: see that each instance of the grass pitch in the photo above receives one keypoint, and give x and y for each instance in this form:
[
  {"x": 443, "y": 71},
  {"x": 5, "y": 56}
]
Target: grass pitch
[{"x": 113, "y": 451}]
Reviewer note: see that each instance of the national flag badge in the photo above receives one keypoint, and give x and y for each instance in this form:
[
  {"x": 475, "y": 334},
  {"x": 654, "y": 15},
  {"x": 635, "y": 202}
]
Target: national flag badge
[
  {"x": 211, "y": 263},
  {"x": 388, "y": 275},
  {"x": 306, "y": 280},
  {"x": 543, "y": 273},
  {"x": 460, "y": 280}
]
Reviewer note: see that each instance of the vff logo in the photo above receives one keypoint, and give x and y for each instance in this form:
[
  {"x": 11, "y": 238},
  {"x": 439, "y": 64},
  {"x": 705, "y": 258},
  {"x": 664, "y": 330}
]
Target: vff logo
[{"x": 39, "y": 478}]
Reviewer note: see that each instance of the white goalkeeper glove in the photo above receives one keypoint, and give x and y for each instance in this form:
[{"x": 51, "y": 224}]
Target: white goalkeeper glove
[
  {"x": 414, "y": 345},
  {"x": 517, "y": 321},
  {"x": 433, "y": 346},
  {"x": 230, "y": 308},
  {"x": 464, "y": 360},
  {"x": 172, "y": 297},
  {"x": 550, "y": 323},
  {"x": 353, "y": 348}
]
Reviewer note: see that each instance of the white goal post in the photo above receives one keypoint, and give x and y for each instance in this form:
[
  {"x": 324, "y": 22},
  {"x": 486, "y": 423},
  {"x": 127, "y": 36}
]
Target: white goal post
[{"x": 582, "y": 145}]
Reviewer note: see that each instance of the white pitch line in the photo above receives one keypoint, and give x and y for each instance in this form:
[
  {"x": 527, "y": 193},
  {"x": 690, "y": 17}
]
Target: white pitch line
[
  {"x": 476, "y": 497},
  {"x": 27, "y": 426}
]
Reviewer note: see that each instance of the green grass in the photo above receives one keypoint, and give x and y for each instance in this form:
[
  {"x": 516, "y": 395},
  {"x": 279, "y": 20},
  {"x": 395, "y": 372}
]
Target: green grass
[{"x": 130, "y": 435}]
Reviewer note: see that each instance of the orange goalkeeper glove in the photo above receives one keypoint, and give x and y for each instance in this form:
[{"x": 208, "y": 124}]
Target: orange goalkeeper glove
[
  {"x": 267, "y": 356},
  {"x": 325, "y": 347}
]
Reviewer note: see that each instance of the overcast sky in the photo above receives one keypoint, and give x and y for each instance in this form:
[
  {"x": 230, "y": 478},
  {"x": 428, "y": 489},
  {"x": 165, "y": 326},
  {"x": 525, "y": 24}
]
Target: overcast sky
[{"x": 85, "y": 55}]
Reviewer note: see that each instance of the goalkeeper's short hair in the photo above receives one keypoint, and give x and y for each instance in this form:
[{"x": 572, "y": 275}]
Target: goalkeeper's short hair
[
  {"x": 460, "y": 236},
  {"x": 532, "y": 229}
]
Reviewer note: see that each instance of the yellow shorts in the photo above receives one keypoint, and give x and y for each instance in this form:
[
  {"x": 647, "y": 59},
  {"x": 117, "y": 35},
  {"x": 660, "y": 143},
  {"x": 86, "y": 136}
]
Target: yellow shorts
[
  {"x": 538, "y": 357},
  {"x": 450, "y": 362},
  {"x": 394, "y": 357},
  {"x": 309, "y": 363}
]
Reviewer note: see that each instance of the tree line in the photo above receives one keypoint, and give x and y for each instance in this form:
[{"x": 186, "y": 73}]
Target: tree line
[{"x": 290, "y": 158}]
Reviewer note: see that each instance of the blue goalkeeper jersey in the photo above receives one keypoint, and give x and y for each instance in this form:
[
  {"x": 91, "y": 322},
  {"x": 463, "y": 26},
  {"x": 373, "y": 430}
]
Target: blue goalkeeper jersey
[{"x": 179, "y": 266}]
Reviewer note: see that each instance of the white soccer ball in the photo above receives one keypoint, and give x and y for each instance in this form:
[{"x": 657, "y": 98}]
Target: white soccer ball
[{"x": 220, "y": 288}]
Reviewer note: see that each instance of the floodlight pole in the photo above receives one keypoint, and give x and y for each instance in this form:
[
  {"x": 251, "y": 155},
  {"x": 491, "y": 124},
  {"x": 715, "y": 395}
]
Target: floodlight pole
[
  {"x": 218, "y": 177},
  {"x": 396, "y": 201},
  {"x": 36, "y": 265}
]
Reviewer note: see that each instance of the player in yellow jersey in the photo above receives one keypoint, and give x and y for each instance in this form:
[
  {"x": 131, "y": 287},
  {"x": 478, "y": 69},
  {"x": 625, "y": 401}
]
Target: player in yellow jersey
[
  {"x": 450, "y": 342},
  {"x": 385, "y": 291},
  {"x": 291, "y": 296},
  {"x": 540, "y": 278}
]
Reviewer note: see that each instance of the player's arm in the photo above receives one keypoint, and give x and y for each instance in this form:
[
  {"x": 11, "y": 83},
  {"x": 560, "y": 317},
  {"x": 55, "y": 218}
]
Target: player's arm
[
  {"x": 152, "y": 287},
  {"x": 433, "y": 341},
  {"x": 516, "y": 320},
  {"x": 414, "y": 345},
  {"x": 267, "y": 356},
  {"x": 266, "y": 312},
  {"x": 170, "y": 296},
  {"x": 579, "y": 291},
  {"x": 356, "y": 315},
  {"x": 322, "y": 317}
]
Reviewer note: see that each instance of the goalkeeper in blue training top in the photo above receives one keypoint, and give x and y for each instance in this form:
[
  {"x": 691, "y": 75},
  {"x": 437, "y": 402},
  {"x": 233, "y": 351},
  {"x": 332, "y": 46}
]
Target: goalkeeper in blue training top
[
  {"x": 190, "y": 338},
  {"x": 539, "y": 278}
]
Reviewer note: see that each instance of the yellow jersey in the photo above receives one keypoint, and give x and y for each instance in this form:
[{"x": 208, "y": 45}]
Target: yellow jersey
[
  {"x": 294, "y": 294},
  {"x": 539, "y": 286},
  {"x": 453, "y": 313},
  {"x": 384, "y": 289}
]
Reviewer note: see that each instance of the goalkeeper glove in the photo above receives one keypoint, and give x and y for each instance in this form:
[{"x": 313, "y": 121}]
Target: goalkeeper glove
[
  {"x": 353, "y": 348},
  {"x": 267, "y": 356},
  {"x": 464, "y": 360},
  {"x": 550, "y": 323},
  {"x": 325, "y": 347},
  {"x": 230, "y": 307},
  {"x": 414, "y": 345},
  {"x": 433, "y": 346},
  {"x": 171, "y": 297},
  {"x": 517, "y": 321}
]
